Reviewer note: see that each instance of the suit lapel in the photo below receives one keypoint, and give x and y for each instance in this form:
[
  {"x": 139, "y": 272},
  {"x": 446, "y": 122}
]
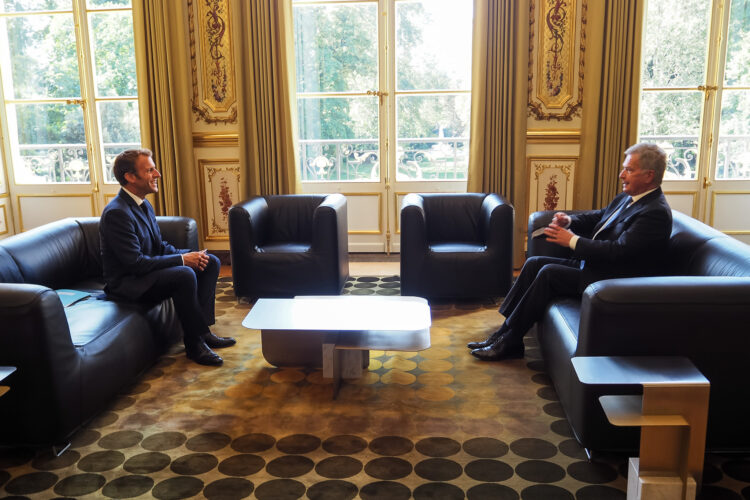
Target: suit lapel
[
  {"x": 629, "y": 212},
  {"x": 145, "y": 221},
  {"x": 612, "y": 208}
]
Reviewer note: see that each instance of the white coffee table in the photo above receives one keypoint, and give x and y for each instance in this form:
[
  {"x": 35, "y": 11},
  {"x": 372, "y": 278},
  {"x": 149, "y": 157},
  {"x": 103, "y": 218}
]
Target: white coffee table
[{"x": 335, "y": 333}]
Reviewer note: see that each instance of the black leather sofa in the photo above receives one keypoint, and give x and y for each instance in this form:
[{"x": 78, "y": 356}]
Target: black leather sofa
[
  {"x": 71, "y": 361},
  {"x": 699, "y": 309},
  {"x": 287, "y": 245},
  {"x": 456, "y": 245}
]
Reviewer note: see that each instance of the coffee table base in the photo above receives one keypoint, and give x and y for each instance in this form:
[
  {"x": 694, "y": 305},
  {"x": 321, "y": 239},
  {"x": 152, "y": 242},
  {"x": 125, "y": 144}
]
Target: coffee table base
[{"x": 284, "y": 348}]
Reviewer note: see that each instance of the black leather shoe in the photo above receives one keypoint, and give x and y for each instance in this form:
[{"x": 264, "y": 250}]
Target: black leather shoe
[
  {"x": 488, "y": 341},
  {"x": 202, "y": 354},
  {"x": 502, "y": 349},
  {"x": 215, "y": 342}
]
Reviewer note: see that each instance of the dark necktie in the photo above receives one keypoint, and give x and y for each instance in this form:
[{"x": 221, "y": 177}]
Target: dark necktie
[{"x": 614, "y": 216}]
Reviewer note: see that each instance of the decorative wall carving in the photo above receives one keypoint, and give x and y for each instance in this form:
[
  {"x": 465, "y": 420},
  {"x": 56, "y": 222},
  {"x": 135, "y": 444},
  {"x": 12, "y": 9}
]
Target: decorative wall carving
[
  {"x": 212, "y": 61},
  {"x": 554, "y": 91},
  {"x": 551, "y": 183},
  {"x": 220, "y": 188}
]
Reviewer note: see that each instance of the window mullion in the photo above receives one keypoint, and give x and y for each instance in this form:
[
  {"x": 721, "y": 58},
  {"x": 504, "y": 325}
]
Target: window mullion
[{"x": 88, "y": 91}]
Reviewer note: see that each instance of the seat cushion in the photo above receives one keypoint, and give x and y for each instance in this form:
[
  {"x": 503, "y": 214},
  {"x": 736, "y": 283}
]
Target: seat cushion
[{"x": 91, "y": 318}]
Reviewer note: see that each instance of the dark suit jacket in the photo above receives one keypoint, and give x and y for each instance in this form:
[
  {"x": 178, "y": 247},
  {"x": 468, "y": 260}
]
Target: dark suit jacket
[
  {"x": 631, "y": 245},
  {"x": 132, "y": 247}
]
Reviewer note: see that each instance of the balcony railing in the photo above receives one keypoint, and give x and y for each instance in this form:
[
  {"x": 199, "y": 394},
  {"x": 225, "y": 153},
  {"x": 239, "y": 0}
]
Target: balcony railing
[
  {"x": 63, "y": 163},
  {"x": 340, "y": 160},
  {"x": 732, "y": 160}
]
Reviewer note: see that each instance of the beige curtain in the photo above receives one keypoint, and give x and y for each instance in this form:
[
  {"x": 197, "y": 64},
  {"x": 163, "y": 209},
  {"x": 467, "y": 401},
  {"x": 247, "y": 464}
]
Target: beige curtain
[
  {"x": 497, "y": 149},
  {"x": 610, "y": 120},
  {"x": 162, "y": 56},
  {"x": 267, "y": 102}
]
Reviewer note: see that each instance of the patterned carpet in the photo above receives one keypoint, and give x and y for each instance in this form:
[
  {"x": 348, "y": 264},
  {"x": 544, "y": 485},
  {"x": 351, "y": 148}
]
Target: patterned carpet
[{"x": 430, "y": 425}]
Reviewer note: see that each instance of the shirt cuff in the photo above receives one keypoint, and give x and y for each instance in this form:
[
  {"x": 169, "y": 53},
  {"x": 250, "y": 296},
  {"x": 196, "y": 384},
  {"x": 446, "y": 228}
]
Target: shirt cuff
[
  {"x": 182, "y": 256},
  {"x": 573, "y": 241}
]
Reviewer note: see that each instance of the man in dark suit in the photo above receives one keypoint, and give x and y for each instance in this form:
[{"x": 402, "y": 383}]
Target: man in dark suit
[
  {"x": 624, "y": 239},
  {"x": 139, "y": 265}
]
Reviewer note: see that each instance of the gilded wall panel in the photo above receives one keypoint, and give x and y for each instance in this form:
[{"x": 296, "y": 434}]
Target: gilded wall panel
[
  {"x": 220, "y": 189},
  {"x": 551, "y": 183},
  {"x": 212, "y": 61},
  {"x": 557, "y": 41}
]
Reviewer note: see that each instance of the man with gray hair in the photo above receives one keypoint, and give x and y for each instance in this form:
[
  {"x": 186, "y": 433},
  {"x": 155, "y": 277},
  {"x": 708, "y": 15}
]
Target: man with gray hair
[{"x": 625, "y": 239}]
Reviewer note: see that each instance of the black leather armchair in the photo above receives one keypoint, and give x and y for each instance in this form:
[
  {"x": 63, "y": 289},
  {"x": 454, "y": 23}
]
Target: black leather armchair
[
  {"x": 286, "y": 245},
  {"x": 456, "y": 245}
]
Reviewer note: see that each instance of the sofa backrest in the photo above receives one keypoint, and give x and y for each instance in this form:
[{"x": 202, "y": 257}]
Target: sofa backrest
[
  {"x": 696, "y": 249},
  {"x": 54, "y": 255},
  {"x": 453, "y": 217}
]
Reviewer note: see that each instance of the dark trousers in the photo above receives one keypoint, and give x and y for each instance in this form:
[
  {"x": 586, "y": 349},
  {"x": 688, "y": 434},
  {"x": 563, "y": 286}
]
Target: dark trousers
[
  {"x": 193, "y": 294},
  {"x": 541, "y": 280}
]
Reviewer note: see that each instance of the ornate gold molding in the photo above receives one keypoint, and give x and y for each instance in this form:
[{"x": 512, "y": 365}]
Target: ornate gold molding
[
  {"x": 551, "y": 93},
  {"x": 542, "y": 136},
  {"x": 201, "y": 140},
  {"x": 714, "y": 196},
  {"x": 214, "y": 94},
  {"x": 380, "y": 213},
  {"x": 4, "y": 220},
  {"x": 48, "y": 195}
]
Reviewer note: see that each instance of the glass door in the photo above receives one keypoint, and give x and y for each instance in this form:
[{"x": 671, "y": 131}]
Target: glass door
[
  {"x": 383, "y": 104},
  {"x": 695, "y": 102},
  {"x": 69, "y": 104}
]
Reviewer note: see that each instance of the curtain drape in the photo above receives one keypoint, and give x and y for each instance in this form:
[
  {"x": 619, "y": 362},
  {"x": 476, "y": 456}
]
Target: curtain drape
[
  {"x": 497, "y": 150},
  {"x": 164, "y": 100},
  {"x": 610, "y": 124},
  {"x": 264, "y": 39}
]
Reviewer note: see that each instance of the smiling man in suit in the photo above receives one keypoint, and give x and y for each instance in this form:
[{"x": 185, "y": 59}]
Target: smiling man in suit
[
  {"x": 140, "y": 266},
  {"x": 625, "y": 239}
]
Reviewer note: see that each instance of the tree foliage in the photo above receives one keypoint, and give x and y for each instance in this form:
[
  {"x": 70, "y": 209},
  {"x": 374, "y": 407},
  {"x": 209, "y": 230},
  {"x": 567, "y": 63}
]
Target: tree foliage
[
  {"x": 44, "y": 64},
  {"x": 337, "y": 51},
  {"x": 675, "y": 54}
]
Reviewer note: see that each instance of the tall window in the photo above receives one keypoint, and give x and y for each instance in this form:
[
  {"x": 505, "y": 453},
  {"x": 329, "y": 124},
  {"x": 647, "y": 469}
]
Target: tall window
[
  {"x": 695, "y": 80},
  {"x": 376, "y": 76},
  {"x": 69, "y": 88}
]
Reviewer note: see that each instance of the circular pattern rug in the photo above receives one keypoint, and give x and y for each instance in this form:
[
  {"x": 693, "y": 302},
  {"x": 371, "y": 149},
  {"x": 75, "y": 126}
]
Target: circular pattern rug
[{"x": 435, "y": 424}]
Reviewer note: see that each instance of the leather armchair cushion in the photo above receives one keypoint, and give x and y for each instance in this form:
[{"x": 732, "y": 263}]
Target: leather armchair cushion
[
  {"x": 453, "y": 217},
  {"x": 92, "y": 318},
  {"x": 291, "y": 217}
]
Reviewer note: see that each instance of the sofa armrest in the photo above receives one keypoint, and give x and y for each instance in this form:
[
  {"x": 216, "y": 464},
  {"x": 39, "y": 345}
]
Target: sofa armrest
[
  {"x": 413, "y": 224},
  {"x": 36, "y": 340},
  {"x": 247, "y": 221},
  {"x": 413, "y": 242},
  {"x": 539, "y": 246},
  {"x": 498, "y": 216},
  {"x": 181, "y": 232},
  {"x": 694, "y": 316},
  {"x": 330, "y": 237},
  {"x": 329, "y": 225}
]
